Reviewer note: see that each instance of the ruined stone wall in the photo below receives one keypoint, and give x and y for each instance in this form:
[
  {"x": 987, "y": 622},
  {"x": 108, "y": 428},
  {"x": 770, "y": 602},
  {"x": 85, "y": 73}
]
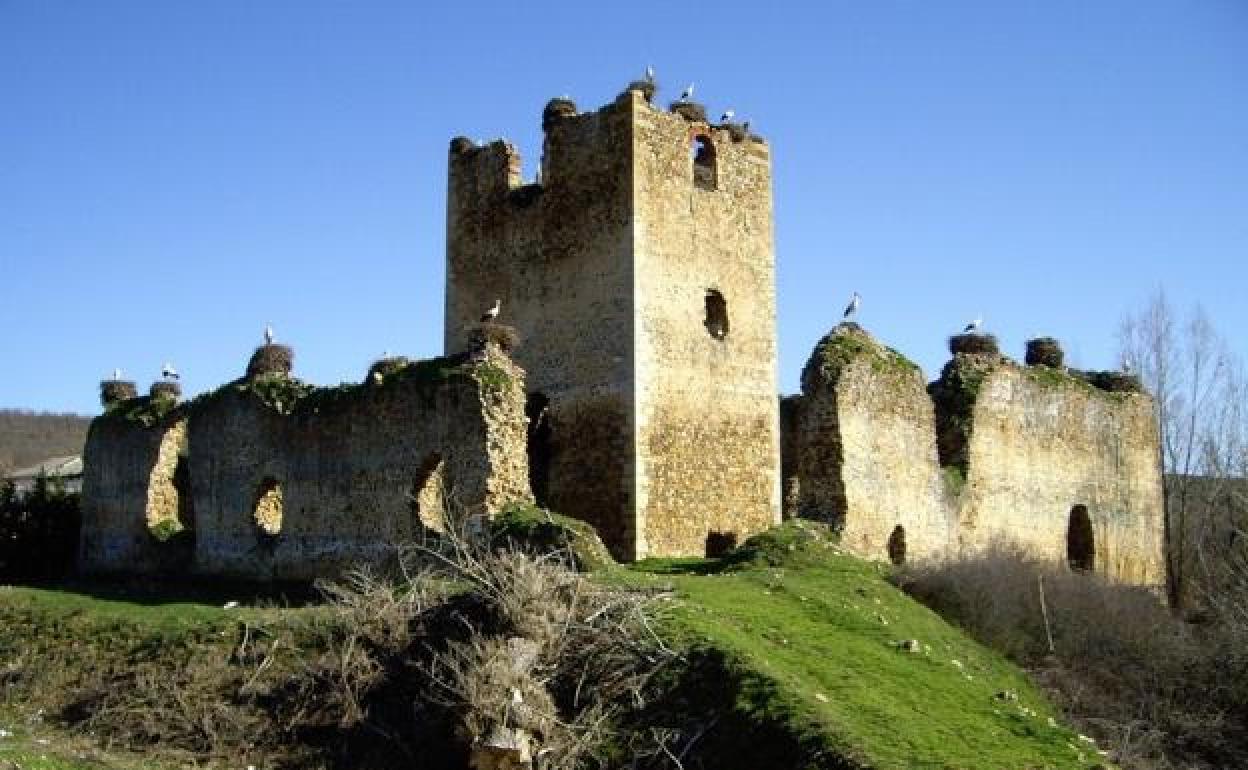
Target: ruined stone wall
[
  {"x": 1027, "y": 447},
  {"x": 129, "y": 495},
  {"x": 309, "y": 482},
  {"x": 1042, "y": 442},
  {"x": 559, "y": 257},
  {"x": 866, "y": 450},
  {"x": 707, "y": 416}
]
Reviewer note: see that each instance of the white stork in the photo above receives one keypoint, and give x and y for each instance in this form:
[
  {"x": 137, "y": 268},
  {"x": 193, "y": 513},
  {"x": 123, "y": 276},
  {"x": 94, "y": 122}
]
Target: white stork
[
  {"x": 852, "y": 307},
  {"x": 727, "y": 116},
  {"x": 168, "y": 372},
  {"x": 687, "y": 94},
  {"x": 268, "y": 334},
  {"x": 492, "y": 313},
  {"x": 973, "y": 326}
]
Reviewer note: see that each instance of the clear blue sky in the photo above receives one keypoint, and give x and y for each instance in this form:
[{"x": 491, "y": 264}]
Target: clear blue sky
[{"x": 175, "y": 174}]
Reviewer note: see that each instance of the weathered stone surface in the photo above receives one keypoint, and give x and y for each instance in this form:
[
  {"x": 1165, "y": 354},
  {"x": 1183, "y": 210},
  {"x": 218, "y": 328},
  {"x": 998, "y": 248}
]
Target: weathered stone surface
[
  {"x": 664, "y": 429},
  {"x": 327, "y": 480},
  {"x": 1022, "y": 449}
]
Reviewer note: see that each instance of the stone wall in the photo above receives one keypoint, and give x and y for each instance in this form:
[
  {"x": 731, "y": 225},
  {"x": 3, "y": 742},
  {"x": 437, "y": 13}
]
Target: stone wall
[
  {"x": 708, "y": 453},
  {"x": 866, "y": 449},
  {"x": 664, "y": 430},
  {"x": 290, "y": 482},
  {"x": 1042, "y": 442},
  {"x": 1031, "y": 450}
]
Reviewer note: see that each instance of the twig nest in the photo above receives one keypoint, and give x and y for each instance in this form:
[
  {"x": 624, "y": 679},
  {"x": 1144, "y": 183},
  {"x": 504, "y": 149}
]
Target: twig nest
[
  {"x": 461, "y": 145},
  {"x": 974, "y": 344},
  {"x": 1113, "y": 382},
  {"x": 116, "y": 391},
  {"x": 557, "y": 109},
  {"x": 165, "y": 389},
  {"x": 270, "y": 360},
  {"x": 505, "y": 337},
  {"x": 646, "y": 87},
  {"x": 736, "y": 131},
  {"x": 384, "y": 367},
  {"x": 1044, "y": 351},
  {"x": 690, "y": 111}
]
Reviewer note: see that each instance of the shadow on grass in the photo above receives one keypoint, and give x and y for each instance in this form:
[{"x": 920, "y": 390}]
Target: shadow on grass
[{"x": 160, "y": 591}]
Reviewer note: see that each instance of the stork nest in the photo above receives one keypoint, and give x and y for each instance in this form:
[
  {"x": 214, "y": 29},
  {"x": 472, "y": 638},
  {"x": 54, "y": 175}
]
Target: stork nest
[
  {"x": 387, "y": 366},
  {"x": 505, "y": 337},
  {"x": 461, "y": 145},
  {"x": 974, "y": 344},
  {"x": 690, "y": 111},
  {"x": 1044, "y": 351},
  {"x": 165, "y": 389},
  {"x": 646, "y": 87},
  {"x": 116, "y": 391},
  {"x": 270, "y": 360},
  {"x": 1113, "y": 382},
  {"x": 737, "y": 131},
  {"x": 557, "y": 109}
]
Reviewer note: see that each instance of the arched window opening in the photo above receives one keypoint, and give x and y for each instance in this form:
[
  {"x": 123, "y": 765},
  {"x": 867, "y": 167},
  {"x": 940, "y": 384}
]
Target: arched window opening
[
  {"x": 267, "y": 511},
  {"x": 705, "y": 170},
  {"x": 429, "y": 496},
  {"x": 1080, "y": 542},
  {"x": 720, "y": 543},
  {"x": 897, "y": 545},
  {"x": 716, "y": 322},
  {"x": 540, "y": 447}
]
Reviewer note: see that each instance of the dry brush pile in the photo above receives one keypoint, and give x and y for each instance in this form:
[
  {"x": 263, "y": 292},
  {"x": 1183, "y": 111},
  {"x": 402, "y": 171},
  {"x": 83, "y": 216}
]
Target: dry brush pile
[{"x": 463, "y": 656}]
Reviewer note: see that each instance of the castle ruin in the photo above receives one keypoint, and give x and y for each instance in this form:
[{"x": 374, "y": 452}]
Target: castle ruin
[{"x": 638, "y": 272}]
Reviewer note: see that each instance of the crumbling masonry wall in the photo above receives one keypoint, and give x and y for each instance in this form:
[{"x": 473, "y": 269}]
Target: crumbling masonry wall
[
  {"x": 1025, "y": 448},
  {"x": 866, "y": 449},
  {"x": 292, "y": 483}
]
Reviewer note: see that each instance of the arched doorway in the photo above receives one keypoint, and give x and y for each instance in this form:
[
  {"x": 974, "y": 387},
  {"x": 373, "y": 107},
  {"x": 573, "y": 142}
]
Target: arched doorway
[
  {"x": 897, "y": 545},
  {"x": 1080, "y": 541}
]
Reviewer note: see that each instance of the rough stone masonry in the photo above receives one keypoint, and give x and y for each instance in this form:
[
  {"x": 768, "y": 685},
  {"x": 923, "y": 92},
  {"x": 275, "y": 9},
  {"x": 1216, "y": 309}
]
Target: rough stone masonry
[{"x": 638, "y": 272}]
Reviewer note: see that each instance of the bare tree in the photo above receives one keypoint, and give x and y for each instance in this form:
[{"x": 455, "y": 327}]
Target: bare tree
[{"x": 1199, "y": 391}]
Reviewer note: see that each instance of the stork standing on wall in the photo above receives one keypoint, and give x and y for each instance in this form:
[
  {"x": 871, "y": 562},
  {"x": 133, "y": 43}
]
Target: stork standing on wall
[
  {"x": 852, "y": 307},
  {"x": 116, "y": 374},
  {"x": 973, "y": 326},
  {"x": 727, "y": 116},
  {"x": 650, "y": 74},
  {"x": 268, "y": 334},
  {"x": 687, "y": 94},
  {"x": 489, "y": 315},
  {"x": 168, "y": 372}
]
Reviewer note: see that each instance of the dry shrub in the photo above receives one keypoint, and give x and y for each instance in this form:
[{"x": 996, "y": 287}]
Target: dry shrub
[
  {"x": 1157, "y": 691},
  {"x": 504, "y": 336},
  {"x": 269, "y": 360},
  {"x": 690, "y": 111},
  {"x": 974, "y": 344},
  {"x": 116, "y": 391},
  {"x": 417, "y": 668},
  {"x": 1044, "y": 351}
]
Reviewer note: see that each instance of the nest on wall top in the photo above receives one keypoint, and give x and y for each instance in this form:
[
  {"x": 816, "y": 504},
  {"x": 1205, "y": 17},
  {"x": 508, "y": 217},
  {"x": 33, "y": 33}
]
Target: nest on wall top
[
  {"x": 384, "y": 367},
  {"x": 115, "y": 391},
  {"x": 974, "y": 344},
  {"x": 271, "y": 360},
  {"x": 1044, "y": 351},
  {"x": 165, "y": 389},
  {"x": 556, "y": 109},
  {"x": 505, "y": 337},
  {"x": 690, "y": 111},
  {"x": 646, "y": 87}
]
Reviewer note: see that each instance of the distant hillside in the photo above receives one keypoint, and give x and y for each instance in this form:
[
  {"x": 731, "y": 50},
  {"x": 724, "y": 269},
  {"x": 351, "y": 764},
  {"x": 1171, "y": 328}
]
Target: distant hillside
[{"x": 27, "y": 437}]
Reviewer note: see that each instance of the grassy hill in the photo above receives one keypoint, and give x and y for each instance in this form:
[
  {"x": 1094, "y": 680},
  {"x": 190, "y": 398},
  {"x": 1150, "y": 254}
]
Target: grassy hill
[
  {"x": 796, "y": 656},
  {"x": 29, "y": 437}
]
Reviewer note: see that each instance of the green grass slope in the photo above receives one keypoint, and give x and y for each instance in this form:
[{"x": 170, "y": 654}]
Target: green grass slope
[{"x": 818, "y": 641}]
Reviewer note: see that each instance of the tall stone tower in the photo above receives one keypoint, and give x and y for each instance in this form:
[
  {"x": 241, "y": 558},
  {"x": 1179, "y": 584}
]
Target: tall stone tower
[{"x": 639, "y": 272}]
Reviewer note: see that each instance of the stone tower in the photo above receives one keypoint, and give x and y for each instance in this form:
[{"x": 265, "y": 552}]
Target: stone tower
[{"x": 639, "y": 272}]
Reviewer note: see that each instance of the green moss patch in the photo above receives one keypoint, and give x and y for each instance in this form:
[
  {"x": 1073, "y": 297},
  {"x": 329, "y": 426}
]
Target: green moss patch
[
  {"x": 537, "y": 530},
  {"x": 841, "y": 347}
]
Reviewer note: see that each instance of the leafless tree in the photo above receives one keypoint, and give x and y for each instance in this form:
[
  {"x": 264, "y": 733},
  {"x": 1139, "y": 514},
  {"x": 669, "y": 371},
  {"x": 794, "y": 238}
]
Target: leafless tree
[{"x": 1199, "y": 390}]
